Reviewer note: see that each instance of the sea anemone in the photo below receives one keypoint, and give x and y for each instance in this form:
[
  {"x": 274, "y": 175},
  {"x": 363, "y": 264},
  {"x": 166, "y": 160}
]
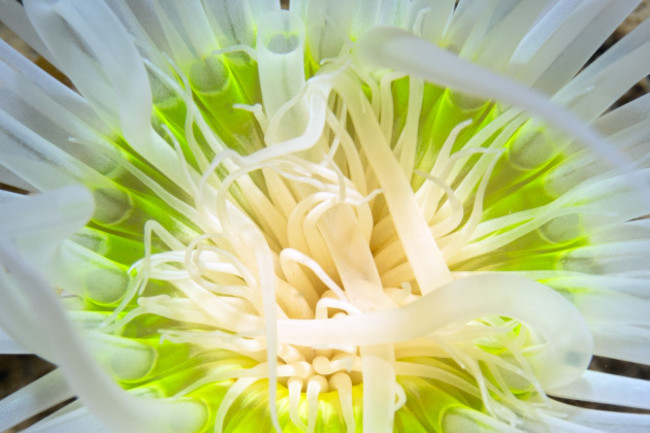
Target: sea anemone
[{"x": 373, "y": 216}]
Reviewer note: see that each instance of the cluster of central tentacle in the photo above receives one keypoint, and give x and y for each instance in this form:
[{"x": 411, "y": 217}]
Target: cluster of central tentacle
[
  {"x": 304, "y": 230},
  {"x": 341, "y": 196}
]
